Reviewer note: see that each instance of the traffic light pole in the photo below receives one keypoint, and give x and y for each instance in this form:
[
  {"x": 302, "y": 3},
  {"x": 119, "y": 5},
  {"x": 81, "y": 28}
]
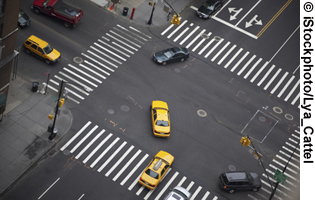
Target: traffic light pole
[
  {"x": 150, "y": 20},
  {"x": 53, "y": 133}
]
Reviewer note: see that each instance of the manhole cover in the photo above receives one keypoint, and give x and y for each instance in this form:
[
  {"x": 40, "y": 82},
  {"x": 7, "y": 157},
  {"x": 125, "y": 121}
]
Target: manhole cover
[
  {"x": 124, "y": 108},
  {"x": 78, "y": 60},
  {"x": 205, "y": 36},
  {"x": 177, "y": 70},
  {"x": 52, "y": 153},
  {"x": 232, "y": 167},
  {"x": 262, "y": 119},
  {"x": 66, "y": 152},
  {"x": 217, "y": 38},
  {"x": 201, "y": 113},
  {"x": 111, "y": 111},
  {"x": 277, "y": 110},
  {"x": 289, "y": 117}
]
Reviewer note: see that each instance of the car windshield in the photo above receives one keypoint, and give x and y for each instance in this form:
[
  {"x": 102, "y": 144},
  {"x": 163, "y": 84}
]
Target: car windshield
[
  {"x": 175, "y": 196},
  {"x": 168, "y": 54},
  {"x": 48, "y": 49},
  {"x": 225, "y": 180},
  {"x": 161, "y": 123},
  {"x": 180, "y": 193},
  {"x": 250, "y": 178},
  {"x": 209, "y": 6},
  {"x": 153, "y": 174}
]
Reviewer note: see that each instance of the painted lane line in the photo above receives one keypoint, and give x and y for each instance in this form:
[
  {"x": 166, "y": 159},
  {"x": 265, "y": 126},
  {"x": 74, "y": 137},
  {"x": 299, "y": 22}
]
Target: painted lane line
[
  {"x": 181, "y": 34},
  {"x": 98, "y": 62},
  {"x": 197, "y": 37},
  {"x": 289, "y": 144},
  {"x": 126, "y": 165},
  {"x": 287, "y": 161},
  {"x": 133, "y": 170},
  {"x": 166, "y": 186},
  {"x": 286, "y": 181},
  {"x": 81, "y": 196},
  {"x": 279, "y": 82},
  {"x": 265, "y": 76},
  {"x": 293, "y": 141},
  {"x": 139, "y": 32},
  {"x": 97, "y": 148},
  {"x": 287, "y": 155},
  {"x": 78, "y": 76},
  {"x": 221, "y": 50},
  {"x": 190, "y": 185},
  {"x": 194, "y": 8},
  {"x": 48, "y": 188},
  {"x": 86, "y": 74},
  {"x": 74, "y": 80},
  {"x": 123, "y": 28},
  {"x": 119, "y": 161},
  {"x": 278, "y": 190},
  {"x": 297, "y": 137},
  {"x": 259, "y": 71},
  {"x": 151, "y": 191},
  {"x": 188, "y": 36},
  {"x": 50, "y": 87},
  {"x": 123, "y": 48},
  {"x": 295, "y": 99},
  {"x": 96, "y": 67},
  {"x": 285, "y": 87},
  {"x": 239, "y": 61},
  {"x": 246, "y": 65},
  {"x": 180, "y": 26},
  {"x": 289, "y": 150},
  {"x": 99, "y": 57},
  {"x": 297, "y": 131},
  {"x": 182, "y": 181},
  {"x": 89, "y": 144},
  {"x": 83, "y": 139},
  {"x": 231, "y": 60},
  {"x": 111, "y": 157},
  {"x": 94, "y": 72},
  {"x": 248, "y": 12},
  {"x": 74, "y": 86},
  {"x": 125, "y": 38},
  {"x": 275, "y": 182},
  {"x": 253, "y": 67},
  {"x": 272, "y": 79},
  {"x": 213, "y": 48},
  {"x": 74, "y": 93},
  {"x": 75, "y": 136},
  {"x": 128, "y": 35},
  {"x": 104, "y": 54},
  {"x": 206, "y": 195},
  {"x": 115, "y": 48},
  {"x": 104, "y": 152},
  {"x": 292, "y": 90},
  {"x": 203, "y": 39},
  {"x": 72, "y": 99},
  {"x": 285, "y": 173},
  {"x": 205, "y": 47},
  {"x": 124, "y": 43},
  {"x": 140, "y": 190},
  {"x": 282, "y": 165},
  {"x": 225, "y": 55},
  {"x": 168, "y": 28},
  {"x": 196, "y": 193},
  {"x": 224, "y": 4}
]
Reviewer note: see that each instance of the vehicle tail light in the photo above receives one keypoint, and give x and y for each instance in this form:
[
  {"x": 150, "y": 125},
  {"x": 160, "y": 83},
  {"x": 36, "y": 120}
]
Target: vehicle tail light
[
  {"x": 153, "y": 185},
  {"x": 155, "y": 132},
  {"x": 168, "y": 133},
  {"x": 225, "y": 186},
  {"x": 141, "y": 179}
]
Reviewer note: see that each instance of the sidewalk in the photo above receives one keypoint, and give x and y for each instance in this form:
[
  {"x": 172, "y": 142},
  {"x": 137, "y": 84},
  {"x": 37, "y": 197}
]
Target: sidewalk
[{"x": 23, "y": 130}]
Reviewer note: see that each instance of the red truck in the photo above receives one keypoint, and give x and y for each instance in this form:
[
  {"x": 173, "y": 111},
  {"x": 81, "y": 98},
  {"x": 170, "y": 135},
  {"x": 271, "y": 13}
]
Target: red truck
[{"x": 58, "y": 8}]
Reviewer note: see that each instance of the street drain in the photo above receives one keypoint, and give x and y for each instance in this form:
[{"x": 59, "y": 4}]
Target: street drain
[
  {"x": 232, "y": 167},
  {"x": 202, "y": 113},
  {"x": 289, "y": 117},
  {"x": 262, "y": 119},
  {"x": 78, "y": 60},
  {"x": 205, "y": 36},
  {"x": 217, "y": 38},
  {"x": 52, "y": 153}
]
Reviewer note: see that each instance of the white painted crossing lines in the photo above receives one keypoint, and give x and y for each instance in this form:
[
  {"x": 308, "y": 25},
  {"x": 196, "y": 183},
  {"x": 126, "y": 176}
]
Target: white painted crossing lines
[
  {"x": 102, "y": 58},
  {"x": 233, "y": 57},
  {"x": 118, "y": 160}
]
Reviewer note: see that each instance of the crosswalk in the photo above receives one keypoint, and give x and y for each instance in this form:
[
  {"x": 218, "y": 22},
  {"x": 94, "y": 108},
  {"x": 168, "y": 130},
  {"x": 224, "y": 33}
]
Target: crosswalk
[
  {"x": 124, "y": 163},
  {"x": 236, "y": 59},
  {"x": 101, "y": 60},
  {"x": 288, "y": 154}
]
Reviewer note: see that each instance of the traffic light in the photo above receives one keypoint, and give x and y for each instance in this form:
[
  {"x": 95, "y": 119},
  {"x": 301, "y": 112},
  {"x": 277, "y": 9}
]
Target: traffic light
[
  {"x": 175, "y": 20},
  {"x": 245, "y": 141},
  {"x": 61, "y": 102},
  {"x": 51, "y": 117}
]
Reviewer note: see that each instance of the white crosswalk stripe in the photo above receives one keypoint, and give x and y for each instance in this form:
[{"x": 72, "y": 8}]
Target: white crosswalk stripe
[
  {"x": 261, "y": 71},
  {"x": 89, "y": 140}
]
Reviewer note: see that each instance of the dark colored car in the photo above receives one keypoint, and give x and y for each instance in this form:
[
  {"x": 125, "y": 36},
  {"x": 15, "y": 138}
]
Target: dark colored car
[
  {"x": 172, "y": 54},
  {"x": 208, "y": 9},
  {"x": 240, "y": 180},
  {"x": 24, "y": 19}
]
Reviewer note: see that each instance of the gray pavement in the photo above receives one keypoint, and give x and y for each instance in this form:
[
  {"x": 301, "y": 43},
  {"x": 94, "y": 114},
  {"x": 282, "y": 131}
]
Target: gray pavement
[{"x": 24, "y": 127}]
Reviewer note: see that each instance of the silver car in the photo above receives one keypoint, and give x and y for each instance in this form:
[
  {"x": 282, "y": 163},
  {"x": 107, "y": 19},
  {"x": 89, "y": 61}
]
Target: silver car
[{"x": 178, "y": 193}]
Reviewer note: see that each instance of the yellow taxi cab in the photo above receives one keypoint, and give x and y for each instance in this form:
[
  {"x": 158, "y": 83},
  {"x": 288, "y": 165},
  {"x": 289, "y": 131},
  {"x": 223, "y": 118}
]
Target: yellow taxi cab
[
  {"x": 41, "y": 49},
  {"x": 160, "y": 116},
  {"x": 156, "y": 170}
]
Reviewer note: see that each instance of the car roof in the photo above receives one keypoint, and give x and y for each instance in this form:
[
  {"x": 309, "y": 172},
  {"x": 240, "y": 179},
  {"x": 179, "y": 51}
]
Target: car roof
[
  {"x": 183, "y": 190},
  {"x": 236, "y": 176},
  {"x": 38, "y": 41}
]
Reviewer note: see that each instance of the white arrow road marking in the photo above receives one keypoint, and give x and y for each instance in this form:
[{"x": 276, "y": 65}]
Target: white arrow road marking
[
  {"x": 248, "y": 24},
  {"x": 232, "y": 17}
]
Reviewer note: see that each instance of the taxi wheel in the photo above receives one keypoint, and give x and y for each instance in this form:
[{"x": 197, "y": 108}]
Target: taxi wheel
[
  {"x": 28, "y": 51},
  {"x": 47, "y": 62},
  {"x": 67, "y": 24}
]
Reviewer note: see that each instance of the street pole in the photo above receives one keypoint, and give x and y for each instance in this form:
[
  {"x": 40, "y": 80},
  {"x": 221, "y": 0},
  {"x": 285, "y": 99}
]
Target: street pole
[
  {"x": 47, "y": 83},
  {"x": 150, "y": 20},
  {"x": 53, "y": 133}
]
